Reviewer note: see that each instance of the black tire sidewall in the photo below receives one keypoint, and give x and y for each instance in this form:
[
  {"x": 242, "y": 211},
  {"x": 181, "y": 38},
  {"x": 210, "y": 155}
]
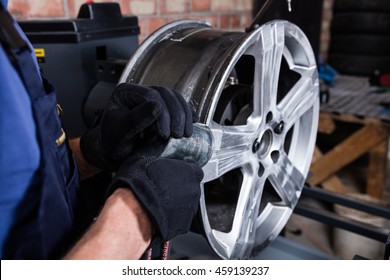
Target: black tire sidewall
[
  {"x": 361, "y": 6},
  {"x": 355, "y": 23},
  {"x": 360, "y": 37},
  {"x": 360, "y": 65},
  {"x": 360, "y": 44}
]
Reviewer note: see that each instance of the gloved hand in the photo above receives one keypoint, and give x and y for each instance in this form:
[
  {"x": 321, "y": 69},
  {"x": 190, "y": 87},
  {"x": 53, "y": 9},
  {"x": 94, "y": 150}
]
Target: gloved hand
[
  {"x": 168, "y": 189},
  {"x": 139, "y": 117}
]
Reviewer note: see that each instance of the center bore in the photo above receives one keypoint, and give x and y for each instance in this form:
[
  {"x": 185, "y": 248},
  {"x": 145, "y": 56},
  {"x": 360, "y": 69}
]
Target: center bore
[{"x": 263, "y": 145}]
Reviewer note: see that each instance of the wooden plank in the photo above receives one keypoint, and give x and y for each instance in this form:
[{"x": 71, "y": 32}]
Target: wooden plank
[
  {"x": 346, "y": 152},
  {"x": 326, "y": 123},
  {"x": 377, "y": 169},
  {"x": 353, "y": 119},
  {"x": 317, "y": 154},
  {"x": 333, "y": 183}
]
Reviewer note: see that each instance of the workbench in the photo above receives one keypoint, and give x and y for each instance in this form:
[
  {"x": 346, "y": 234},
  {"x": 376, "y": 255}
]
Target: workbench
[{"x": 352, "y": 101}]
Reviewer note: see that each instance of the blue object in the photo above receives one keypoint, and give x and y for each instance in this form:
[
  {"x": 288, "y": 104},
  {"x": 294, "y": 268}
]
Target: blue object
[
  {"x": 19, "y": 155},
  {"x": 327, "y": 73},
  {"x": 39, "y": 181}
]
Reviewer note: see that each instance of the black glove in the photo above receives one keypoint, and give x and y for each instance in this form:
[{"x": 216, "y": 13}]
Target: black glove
[
  {"x": 136, "y": 117},
  {"x": 168, "y": 189}
]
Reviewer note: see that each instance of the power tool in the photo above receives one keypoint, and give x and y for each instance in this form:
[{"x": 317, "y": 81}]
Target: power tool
[{"x": 196, "y": 149}]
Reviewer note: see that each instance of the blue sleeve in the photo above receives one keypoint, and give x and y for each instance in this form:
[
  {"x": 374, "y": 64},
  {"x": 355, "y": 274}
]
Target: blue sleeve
[
  {"x": 4, "y": 2},
  {"x": 19, "y": 149}
]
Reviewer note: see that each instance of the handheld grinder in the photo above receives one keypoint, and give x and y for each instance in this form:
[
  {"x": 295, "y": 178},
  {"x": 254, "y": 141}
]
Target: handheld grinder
[{"x": 195, "y": 149}]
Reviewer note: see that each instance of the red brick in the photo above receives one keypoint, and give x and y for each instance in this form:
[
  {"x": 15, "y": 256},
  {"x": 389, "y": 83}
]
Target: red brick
[
  {"x": 54, "y": 8},
  {"x": 328, "y": 4},
  {"x": 124, "y": 5},
  {"x": 74, "y": 6},
  {"x": 142, "y": 7},
  {"x": 143, "y": 23},
  {"x": 246, "y": 19},
  {"x": 235, "y": 21},
  {"x": 327, "y": 15},
  {"x": 222, "y": 5},
  {"x": 213, "y": 20},
  {"x": 174, "y": 6},
  {"x": 325, "y": 36},
  {"x": 324, "y": 48},
  {"x": 230, "y": 21},
  {"x": 209, "y": 18},
  {"x": 19, "y": 8},
  {"x": 231, "y": 5},
  {"x": 174, "y": 17},
  {"x": 243, "y": 5},
  {"x": 224, "y": 22},
  {"x": 201, "y": 5},
  {"x": 155, "y": 23}
]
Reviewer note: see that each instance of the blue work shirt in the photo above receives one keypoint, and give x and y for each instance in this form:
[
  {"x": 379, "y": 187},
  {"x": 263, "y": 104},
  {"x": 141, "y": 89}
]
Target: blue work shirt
[
  {"x": 19, "y": 148},
  {"x": 42, "y": 209}
]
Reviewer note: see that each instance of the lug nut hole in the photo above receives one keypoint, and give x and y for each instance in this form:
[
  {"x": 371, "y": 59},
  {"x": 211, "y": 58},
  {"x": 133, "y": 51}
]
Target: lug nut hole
[{"x": 275, "y": 156}]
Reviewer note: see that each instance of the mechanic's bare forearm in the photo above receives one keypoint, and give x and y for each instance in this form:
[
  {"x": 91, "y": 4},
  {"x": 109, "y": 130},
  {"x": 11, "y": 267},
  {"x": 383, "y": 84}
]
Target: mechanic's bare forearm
[
  {"x": 85, "y": 169},
  {"x": 121, "y": 231}
]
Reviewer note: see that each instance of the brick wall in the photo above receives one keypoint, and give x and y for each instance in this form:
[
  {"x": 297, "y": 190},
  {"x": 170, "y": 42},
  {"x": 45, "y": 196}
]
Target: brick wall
[
  {"x": 325, "y": 30},
  {"x": 224, "y": 14}
]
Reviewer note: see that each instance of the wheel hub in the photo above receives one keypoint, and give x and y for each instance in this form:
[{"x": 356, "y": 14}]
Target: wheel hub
[{"x": 263, "y": 146}]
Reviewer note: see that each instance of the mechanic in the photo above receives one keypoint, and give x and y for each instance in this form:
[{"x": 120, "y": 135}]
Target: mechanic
[{"x": 42, "y": 203}]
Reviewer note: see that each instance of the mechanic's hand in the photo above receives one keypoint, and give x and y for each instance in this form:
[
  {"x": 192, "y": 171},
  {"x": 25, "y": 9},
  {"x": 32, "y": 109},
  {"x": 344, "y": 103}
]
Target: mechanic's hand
[
  {"x": 140, "y": 117},
  {"x": 168, "y": 189}
]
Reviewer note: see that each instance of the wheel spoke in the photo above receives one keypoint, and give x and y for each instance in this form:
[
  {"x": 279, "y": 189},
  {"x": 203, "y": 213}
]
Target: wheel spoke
[
  {"x": 232, "y": 148},
  {"x": 245, "y": 218},
  {"x": 287, "y": 180},
  {"x": 248, "y": 203},
  {"x": 268, "y": 59},
  {"x": 300, "y": 99}
]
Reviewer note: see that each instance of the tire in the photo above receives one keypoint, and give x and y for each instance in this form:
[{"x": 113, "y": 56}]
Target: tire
[
  {"x": 360, "y": 44},
  {"x": 360, "y": 37},
  {"x": 361, "y": 6},
  {"x": 359, "y": 65},
  {"x": 355, "y": 23}
]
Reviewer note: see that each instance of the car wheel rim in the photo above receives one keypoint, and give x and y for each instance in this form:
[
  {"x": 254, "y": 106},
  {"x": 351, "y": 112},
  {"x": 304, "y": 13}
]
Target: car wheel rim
[{"x": 258, "y": 93}]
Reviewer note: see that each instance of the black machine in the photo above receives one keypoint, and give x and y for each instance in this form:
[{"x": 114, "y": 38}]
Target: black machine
[{"x": 84, "y": 57}]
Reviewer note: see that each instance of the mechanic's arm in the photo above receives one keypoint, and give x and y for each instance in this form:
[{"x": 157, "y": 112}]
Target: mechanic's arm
[
  {"x": 166, "y": 195},
  {"x": 166, "y": 191},
  {"x": 122, "y": 231}
]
